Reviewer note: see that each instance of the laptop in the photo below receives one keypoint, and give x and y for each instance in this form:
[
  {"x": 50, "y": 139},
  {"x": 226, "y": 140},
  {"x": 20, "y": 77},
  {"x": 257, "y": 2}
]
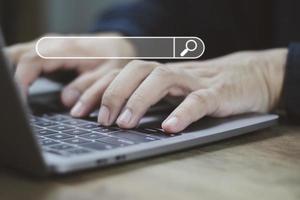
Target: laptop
[{"x": 43, "y": 141}]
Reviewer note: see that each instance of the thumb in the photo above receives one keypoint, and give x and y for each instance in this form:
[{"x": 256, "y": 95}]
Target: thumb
[{"x": 195, "y": 106}]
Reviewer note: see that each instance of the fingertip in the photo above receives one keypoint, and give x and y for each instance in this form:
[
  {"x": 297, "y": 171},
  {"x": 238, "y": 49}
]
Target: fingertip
[
  {"x": 125, "y": 119},
  {"x": 78, "y": 110},
  {"x": 123, "y": 125},
  {"x": 172, "y": 125},
  {"x": 69, "y": 96},
  {"x": 104, "y": 116}
]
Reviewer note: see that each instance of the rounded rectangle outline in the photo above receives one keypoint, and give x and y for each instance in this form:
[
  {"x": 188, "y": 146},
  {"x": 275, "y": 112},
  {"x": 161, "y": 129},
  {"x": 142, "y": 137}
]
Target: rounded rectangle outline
[{"x": 118, "y": 37}]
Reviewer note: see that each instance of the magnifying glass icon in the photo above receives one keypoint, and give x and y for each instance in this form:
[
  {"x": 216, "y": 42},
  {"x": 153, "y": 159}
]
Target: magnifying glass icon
[{"x": 190, "y": 45}]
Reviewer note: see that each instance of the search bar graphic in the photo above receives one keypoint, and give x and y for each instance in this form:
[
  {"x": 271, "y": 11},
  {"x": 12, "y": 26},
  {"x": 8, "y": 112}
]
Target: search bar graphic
[{"x": 146, "y": 47}]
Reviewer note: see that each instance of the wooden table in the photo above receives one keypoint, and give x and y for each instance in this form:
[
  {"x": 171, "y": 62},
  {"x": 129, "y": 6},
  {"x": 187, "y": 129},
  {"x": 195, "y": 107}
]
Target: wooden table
[{"x": 261, "y": 165}]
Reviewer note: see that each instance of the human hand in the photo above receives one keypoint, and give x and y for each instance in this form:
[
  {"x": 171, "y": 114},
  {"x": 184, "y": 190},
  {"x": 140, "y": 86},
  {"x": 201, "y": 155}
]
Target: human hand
[
  {"x": 30, "y": 66},
  {"x": 237, "y": 83}
]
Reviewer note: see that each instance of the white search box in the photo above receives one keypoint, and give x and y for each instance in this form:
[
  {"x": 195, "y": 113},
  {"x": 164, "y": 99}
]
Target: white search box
[{"x": 146, "y": 47}]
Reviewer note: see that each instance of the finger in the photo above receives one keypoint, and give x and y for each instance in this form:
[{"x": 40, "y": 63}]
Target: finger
[
  {"x": 195, "y": 106},
  {"x": 31, "y": 67},
  {"x": 121, "y": 88},
  {"x": 72, "y": 92},
  {"x": 28, "y": 69},
  {"x": 92, "y": 96},
  {"x": 153, "y": 88},
  {"x": 15, "y": 52}
]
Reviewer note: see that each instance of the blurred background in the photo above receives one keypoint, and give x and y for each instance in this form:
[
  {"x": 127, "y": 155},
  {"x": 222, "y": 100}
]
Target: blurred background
[{"x": 23, "y": 20}]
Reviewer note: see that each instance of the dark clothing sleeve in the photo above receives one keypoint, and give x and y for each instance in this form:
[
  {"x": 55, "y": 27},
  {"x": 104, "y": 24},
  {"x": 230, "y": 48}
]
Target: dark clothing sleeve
[
  {"x": 291, "y": 88},
  {"x": 224, "y": 26},
  {"x": 143, "y": 18}
]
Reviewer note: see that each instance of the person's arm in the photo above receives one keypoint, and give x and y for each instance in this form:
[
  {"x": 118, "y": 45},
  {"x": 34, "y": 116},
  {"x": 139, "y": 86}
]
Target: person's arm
[
  {"x": 291, "y": 95},
  {"x": 144, "y": 18}
]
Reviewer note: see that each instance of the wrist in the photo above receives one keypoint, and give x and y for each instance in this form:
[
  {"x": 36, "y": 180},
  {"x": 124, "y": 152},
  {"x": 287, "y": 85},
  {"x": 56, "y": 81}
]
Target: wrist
[{"x": 276, "y": 64}]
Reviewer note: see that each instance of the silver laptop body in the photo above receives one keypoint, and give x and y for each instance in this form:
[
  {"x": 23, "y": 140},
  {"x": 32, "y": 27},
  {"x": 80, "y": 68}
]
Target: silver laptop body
[{"x": 54, "y": 143}]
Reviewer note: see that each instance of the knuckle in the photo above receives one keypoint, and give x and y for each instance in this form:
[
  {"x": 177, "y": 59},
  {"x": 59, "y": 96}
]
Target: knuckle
[
  {"x": 85, "y": 99},
  {"x": 140, "y": 64},
  {"x": 89, "y": 98},
  {"x": 186, "y": 110},
  {"x": 111, "y": 97},
  {"x": 88, "y": 95},
  {"x": 225, "y": 86},
  {"x": 163, "y": 71},
  {"x": 87, "y": 76},
  {"x": 136, "y": 62},
  {"x": 136, "y": 98},
  {"x": 199, "y": 109},
  {"x": 209, "y": 99},
  {"x": 198, "y": 96},
  {"x": 82, "y": 82},
  {"x": 30, "y": 56},
  {"x": 114, "y": 73},
  {"x": 30, "y": 61}
]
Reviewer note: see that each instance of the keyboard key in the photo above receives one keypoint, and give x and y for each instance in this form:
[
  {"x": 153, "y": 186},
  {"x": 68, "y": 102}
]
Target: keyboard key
[
  {"x": 39, "y": 137},
  {"x": 116, "y": 141},
  {"x": 46, "y": 132},
  {"x": 77, "y": 132},
  {"x": 58, "y": 118},
  {"x": 93, "y": 136},
  {"x": 98, "y": 146},
  {"x": 134, "y": 137},
  {"x": 74, "y": 122},
  {"x": 59, "y": 136},
  {"x": 89, "y": 126},
  {"x": 78, "y": 151},
  {"x": 37, "y": 128},
  {"x": 45, "y": 123},
  {"x": 61, "y": 127},
  {"x": 34, "y": 119},
  {"x": 76, "y": 141},
  {"x": 151, "y": 130},
  {"x": 105, "y": 130},
  {"x": 156, "y": 132},
  {"x": 48, "y": 142},
  {"x": 62, "y": 147}
]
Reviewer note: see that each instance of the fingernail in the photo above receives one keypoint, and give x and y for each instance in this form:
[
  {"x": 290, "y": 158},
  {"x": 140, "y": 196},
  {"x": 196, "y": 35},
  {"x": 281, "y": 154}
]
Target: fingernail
[
  {"x": 171, "y": 124},
  {"x": 77, "y": 110},
  {"x": 103, "y": 117},
  {"x": 125, "y": 117},
  {"x": 70, "y": 96}
]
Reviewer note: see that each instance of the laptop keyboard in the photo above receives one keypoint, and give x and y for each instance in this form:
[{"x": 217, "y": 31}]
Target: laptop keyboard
[{"x": 65, "y": 136}]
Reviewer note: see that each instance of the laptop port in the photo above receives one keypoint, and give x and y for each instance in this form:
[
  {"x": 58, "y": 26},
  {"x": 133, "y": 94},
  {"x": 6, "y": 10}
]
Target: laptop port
[
  {"x": 120, "y": 158},
  {"x": 101, "y": 162}
]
